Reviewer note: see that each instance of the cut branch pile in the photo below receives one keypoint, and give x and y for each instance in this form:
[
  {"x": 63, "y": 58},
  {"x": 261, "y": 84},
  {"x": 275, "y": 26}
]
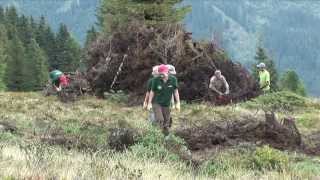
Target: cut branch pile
[{"x": 124, "y": 62}]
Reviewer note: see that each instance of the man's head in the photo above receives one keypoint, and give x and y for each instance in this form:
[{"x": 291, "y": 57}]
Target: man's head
[
  {"x": 172, "y": 69},
  {"x": 217, "y": 73},
  {"x": 163, "y": 70},
  {"x": 155, "y": 70},
  {"x": 261, "y": 66}
]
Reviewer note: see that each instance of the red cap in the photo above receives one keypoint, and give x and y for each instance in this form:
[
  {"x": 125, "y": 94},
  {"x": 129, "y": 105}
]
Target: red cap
[{"x": 163, "y": 69}]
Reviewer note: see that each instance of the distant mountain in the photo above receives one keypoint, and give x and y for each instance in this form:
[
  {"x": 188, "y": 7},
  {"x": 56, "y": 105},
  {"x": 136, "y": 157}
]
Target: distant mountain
[
  {"x": 289, "y": 29},
  {"x": 78, "y": 15}
]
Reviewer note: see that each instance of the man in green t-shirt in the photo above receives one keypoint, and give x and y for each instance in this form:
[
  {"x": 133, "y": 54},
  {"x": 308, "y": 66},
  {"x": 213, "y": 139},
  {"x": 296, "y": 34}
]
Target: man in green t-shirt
[
  {"x": 264, "y": 78},
  {"x": 162, "y": 89}
]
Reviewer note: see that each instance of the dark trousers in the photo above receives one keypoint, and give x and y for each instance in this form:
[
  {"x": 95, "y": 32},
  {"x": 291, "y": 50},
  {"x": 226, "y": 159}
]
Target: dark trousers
[{"x": 162, "y": 116}]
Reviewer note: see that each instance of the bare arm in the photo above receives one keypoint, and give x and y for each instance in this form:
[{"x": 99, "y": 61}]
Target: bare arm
[
  {"x": 227, "y": 86},
  {"x": 151, "y": 95},
  {"x": 146, "y": 97},
  {"x": 177, "y": 96},
  {"x": 211, "y": 86}
]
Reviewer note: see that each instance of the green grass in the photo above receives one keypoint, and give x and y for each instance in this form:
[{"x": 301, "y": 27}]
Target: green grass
[{"x": 87, "y": 122}]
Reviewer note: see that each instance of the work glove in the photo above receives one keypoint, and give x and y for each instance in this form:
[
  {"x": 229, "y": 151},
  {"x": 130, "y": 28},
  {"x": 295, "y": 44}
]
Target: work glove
[
  {"x": 145, "y": 105},
  {"x": 178, "y": 106},
  {"x": 149, "y": 107}
]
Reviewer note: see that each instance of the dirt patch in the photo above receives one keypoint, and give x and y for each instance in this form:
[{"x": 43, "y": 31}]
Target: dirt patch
[
  {"x": 282, "y": 135},
  {"x": 120, "y": 138},
  {"x": 312, "y": 143}
]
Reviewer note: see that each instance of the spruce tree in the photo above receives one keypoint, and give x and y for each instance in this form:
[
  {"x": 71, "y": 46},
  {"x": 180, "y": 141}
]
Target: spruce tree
[
  {"x": 68, "y": 51},
  {"x": 92, "y": 35},
  {"x": 11, "y": 21},
  {"x": 14, "y": 71},
  {"x": 115, "y": 14},
  {"x": 50, "y": 47},
  {"x": 262, "y": 57},
  {"x": 3, "y": 56},
  {"x": 290, "y": 81},
  {"x": 1, "y": 14},
  {"x": 35, "y": 70},
  {"x": 24, "y": 30}
]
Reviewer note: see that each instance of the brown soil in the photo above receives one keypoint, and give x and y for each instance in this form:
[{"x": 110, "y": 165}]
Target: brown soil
[{"x": 220, "y": 135}]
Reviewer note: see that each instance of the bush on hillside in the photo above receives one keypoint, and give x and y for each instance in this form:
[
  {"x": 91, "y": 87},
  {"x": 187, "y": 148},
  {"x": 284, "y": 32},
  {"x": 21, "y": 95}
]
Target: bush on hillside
[
  {"x": 266, "y": 158},
  {"x": 278, "y": 101},
  {"x": 290, "y": 81}
]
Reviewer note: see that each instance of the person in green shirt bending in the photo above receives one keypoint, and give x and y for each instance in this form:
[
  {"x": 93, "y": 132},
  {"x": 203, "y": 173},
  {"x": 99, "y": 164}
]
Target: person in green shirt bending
[
  {"x": 264, "y": 78},
  {"x": 162, "y": 89}
]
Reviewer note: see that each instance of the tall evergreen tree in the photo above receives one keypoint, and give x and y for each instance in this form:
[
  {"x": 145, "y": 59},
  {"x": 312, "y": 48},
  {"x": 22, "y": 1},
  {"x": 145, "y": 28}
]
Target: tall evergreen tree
[
  {"x": 24, "y": 29},
  {"x": 290, "y": 81},
  {"x": 50, "y": 47},
  {"x": 115, "y": 14},
  {"x": 35, "y": 70},
  {"x": 14, "y": 71},
  {"x": 11, "y": 21},
  {"x": 1, "y": 14},
  {"x": 3, "y": 56},
  {"x": 92, "y": 35},
  {"x": 68, "y": 51},
  {"x": 261, "y": 57}
]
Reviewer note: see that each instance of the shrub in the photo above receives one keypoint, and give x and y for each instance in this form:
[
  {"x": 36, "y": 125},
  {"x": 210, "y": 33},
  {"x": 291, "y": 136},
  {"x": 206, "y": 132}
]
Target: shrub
[
  {"x": 214, "y": 167},
  {"x": 278, "y": 101},
  {"x": 152, "y": 145},
  {"x": 266, "y": 158},
  {"x": 290, "y": 81}
]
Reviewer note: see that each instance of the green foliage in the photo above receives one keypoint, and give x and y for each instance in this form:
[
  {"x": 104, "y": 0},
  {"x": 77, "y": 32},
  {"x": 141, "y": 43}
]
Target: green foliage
[
  {"x": 14, "y": 70},
  {"x": 118, "y": 97},
  {"x": 290, "y": 81},
  {"x": 3, "y": 56},
  {"x": 152, "y": 145},
  {"x": 68, "y": 52},
  {"x": 214, "y": 167},
  {"x": 266, "y": 158},
  {"x": 92, "y": 35},
  {"x": 262, "y": 57},
  {"x": 278, "y": 101},
  {"x": 115, "y": 14},
  {"x": 28, "y": 48},
  {"x": 35, "y": 68}
]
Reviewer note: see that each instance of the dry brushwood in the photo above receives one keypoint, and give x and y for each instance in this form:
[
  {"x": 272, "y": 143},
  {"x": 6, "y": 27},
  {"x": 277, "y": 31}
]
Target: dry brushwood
[{"x": 145, "y": 47}]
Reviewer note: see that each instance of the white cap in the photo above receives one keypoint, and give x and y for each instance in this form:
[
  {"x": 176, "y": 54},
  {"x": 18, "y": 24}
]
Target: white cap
[
  {"x": 172, "y": 69},
  {"x": 261, "y": 65}
]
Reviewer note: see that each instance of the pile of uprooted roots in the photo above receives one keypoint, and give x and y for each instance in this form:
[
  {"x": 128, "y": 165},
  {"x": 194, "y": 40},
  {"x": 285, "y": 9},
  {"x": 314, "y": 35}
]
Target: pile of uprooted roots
[
  {"x": 282, "y": 135},
  {"x": 124, "y": 60}
]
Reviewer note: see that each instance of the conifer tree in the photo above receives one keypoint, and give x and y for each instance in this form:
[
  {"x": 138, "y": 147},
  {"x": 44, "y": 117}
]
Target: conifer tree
[
  {"x": 68, "y": 52},
  {"x": 24, "y": 30},
  {"x": 92, "y": 35},
  {"x": 14, "y": 71},
  {"x": 35, "y": 70},
  {"x": 115, "y": 14},
  {"x": 3, "y": 56},
  {"x": 290, "y": 81},
  {"x": 1, "y": 15}
]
